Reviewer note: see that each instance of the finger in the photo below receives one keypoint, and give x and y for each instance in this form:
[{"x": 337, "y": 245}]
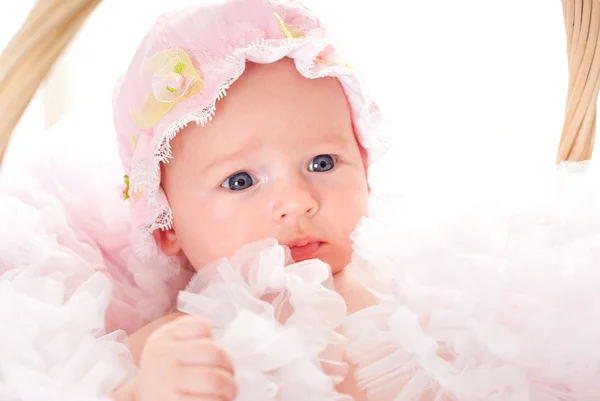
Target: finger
[
  {"x": 203, "y": 352},
  {"x": 189, "y": 327},
  {"x": 206, "y": 382}
]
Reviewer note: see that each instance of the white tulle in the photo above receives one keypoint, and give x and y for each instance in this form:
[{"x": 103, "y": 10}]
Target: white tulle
[
  {"x": 488, "y": 289},
  {"x": 68, "y": 281},
  {"x": 276, "y": 319},
  {"x": 490, "y": 296},
  {"x": 54, "y": 345},
  {"x": 69, "y": 200}
]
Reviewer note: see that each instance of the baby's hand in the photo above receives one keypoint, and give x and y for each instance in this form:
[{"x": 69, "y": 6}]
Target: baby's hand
[{"x": 180, "y": 361}]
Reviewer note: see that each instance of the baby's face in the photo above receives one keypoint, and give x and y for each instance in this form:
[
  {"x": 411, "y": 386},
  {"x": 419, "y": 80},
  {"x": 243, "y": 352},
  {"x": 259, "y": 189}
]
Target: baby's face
[{"x": 279, "y": 160}]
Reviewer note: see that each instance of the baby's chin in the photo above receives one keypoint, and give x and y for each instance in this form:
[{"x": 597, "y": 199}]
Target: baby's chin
[
  {"x": 336, "y": 263},
  {"x": 337, "y": 268},
  {"x": 339, "y": 259}
]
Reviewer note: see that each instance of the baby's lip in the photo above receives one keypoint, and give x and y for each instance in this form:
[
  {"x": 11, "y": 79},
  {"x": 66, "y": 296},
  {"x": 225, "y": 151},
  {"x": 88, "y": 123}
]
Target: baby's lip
[
  {"x": 304, "y": 250},
  {"x": 301, "y": 241}
]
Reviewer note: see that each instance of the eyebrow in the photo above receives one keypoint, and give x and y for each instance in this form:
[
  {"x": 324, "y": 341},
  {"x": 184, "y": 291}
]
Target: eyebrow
[
  {"x": 247, "y": 148},
  {"x": 336, "y": 142},
  {"x": 250, "y": 147}
]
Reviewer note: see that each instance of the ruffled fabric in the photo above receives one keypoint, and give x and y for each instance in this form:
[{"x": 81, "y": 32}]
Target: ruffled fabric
[
  {"x": 488, "y": 289},
  {"x": 52, "y": 314},
  {"x": 54, "y": 346},
  {"x": 55, "y": 288},
  {"x": 277, "y": 321},
  {"x": 487, "y": 293},
  {"x": 62, "y": 203}
]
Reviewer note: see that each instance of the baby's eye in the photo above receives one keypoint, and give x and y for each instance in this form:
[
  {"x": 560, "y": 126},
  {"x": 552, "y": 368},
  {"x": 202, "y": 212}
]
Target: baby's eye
[
  {"x": 322, "y": 163},
  {"x": 239, "y": 182}
]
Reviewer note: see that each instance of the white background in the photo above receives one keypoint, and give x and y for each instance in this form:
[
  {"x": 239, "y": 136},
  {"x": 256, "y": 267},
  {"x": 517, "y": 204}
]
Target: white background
[{"x": 464, "y": 81}]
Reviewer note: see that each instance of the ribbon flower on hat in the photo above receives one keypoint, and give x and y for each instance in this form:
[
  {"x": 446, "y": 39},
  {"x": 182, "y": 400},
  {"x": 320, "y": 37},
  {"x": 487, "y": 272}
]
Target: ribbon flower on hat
[
  {"x": 175, "y": 79},
  {"x": 329, "y": 56}
]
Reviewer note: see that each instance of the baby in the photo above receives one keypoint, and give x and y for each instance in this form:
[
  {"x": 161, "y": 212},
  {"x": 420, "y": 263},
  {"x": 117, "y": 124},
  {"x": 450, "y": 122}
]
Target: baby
[
  {"x": 285, "y": 157},
  {"x": 481, "y": 291}
]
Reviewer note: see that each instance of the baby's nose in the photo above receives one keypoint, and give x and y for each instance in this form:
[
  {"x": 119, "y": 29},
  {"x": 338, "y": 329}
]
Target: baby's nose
[{"x": 294, "y": 202}]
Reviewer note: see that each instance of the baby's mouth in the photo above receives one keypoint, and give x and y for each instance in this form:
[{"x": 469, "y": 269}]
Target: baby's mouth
[
  {"x": 304, "y": 247},
  {"x": 306, "y": 251}
]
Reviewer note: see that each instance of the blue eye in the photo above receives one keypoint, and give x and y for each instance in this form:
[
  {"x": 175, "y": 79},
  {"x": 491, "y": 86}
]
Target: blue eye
[
  {"x": 322, "y": 163},
  {"x": 238, "y": 182}
]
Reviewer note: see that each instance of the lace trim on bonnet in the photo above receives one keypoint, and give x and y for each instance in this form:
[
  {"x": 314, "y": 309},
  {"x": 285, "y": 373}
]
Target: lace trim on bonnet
[{"x": 146, "y": 175}]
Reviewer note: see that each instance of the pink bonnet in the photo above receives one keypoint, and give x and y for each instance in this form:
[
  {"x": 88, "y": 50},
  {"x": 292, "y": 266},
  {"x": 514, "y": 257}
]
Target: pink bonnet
[{"x": 185, "y": 64}]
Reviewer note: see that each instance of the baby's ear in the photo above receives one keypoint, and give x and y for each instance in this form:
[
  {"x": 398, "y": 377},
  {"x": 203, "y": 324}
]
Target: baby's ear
[{"x": 167, "y": 242}]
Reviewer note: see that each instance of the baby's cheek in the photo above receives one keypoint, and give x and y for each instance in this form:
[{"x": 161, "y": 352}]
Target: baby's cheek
[
  {"x": 353, "y": 201},
  {"x": 224, "y": 210},
  {"x": 228, "y": 227}
]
